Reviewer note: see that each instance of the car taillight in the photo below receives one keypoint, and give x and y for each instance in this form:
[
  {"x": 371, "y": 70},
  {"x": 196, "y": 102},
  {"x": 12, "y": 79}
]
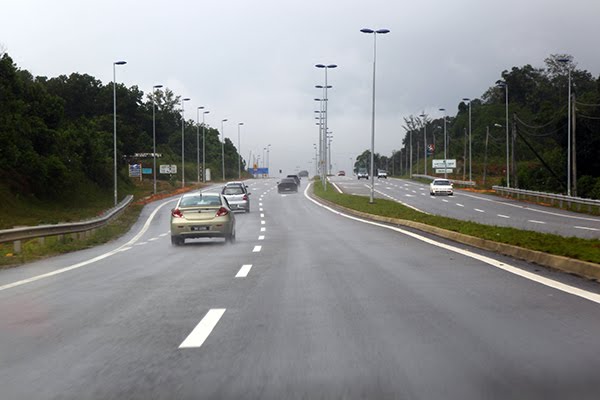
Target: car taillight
[
  {"x": 176, "y": 213},
  {"x": 245, "y": 198},
  {"x": 222, "y": 212}
]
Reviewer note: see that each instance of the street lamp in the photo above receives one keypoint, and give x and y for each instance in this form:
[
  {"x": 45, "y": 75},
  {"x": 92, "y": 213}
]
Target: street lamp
[
  {"x": 321, "y": 119},
  {"x": 566, "y": 61},
  {"x": 183, "y": 141},
  {"x": 324, "y": 128},
  {"x": 445, "y": 155},
  {"x": 374, "y": 32},
  {"x": 268, "y": 160},
  {"x": 239, "y": 153},
  {"x": 115, "y": 123},
  {"x": 154, "y": 132},
  {"x": 198, "y": 143},
  {"x": 469, "y": 100},
  {"x": 204, "y": 147},
  {"x": 503, "y": 84},
  {"x": 424, "y": 140},
  {"x": 223, "y": 147}
]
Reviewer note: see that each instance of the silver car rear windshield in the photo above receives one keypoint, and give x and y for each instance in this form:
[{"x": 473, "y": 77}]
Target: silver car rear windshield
[
  {"x": 233, "y": 190},
  {"x": 196, "y": 201},
  {"x": 441, "y": 183}
]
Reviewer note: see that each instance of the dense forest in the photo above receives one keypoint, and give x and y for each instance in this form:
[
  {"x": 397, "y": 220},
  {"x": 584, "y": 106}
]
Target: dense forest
[
  {"x": 537, "y": 127},
  {"x": 56, "y": 135}
]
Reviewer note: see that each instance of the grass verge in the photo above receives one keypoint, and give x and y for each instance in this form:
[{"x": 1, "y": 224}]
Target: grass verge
[{"x": 572, "y": 247}]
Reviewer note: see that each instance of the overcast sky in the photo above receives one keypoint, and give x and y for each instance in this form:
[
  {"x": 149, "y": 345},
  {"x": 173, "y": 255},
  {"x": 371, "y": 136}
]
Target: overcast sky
[{"x": 253, "y": 61}]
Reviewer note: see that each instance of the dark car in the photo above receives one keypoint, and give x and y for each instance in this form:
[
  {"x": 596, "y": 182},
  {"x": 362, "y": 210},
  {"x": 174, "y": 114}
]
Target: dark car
[
  {"x": 287, "y": 185},
  {"x": 303, "y": 174},
  {"x": 296, "y": 178}
]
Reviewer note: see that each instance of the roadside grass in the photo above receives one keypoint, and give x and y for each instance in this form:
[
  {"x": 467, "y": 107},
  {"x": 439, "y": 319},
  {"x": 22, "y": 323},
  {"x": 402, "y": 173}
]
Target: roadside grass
[{"x": 572, "y": 247}]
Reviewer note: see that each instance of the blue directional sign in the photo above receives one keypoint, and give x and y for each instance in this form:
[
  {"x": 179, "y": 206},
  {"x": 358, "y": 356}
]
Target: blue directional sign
[{"x": 259, "y": 171}]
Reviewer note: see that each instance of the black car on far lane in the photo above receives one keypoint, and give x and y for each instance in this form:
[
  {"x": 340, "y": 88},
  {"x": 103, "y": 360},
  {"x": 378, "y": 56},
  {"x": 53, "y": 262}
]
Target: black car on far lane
[
  {"x": 287, "y": 185},
  {"x": 296, "y": 178}
]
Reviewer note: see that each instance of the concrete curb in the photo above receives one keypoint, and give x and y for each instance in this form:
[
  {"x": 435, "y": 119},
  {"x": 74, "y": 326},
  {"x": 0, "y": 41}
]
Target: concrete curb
[{"x": 585, "y": 269}]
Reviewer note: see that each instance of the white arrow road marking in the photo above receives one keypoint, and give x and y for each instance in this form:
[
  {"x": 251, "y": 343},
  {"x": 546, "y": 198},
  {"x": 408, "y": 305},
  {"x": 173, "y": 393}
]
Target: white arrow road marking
[
  {"x": 200, "y": 333},
  {"x": 244, "y": 271}
]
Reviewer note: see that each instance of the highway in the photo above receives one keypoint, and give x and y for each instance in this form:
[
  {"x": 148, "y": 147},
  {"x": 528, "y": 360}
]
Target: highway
[
  {"x": 306, "y": 304},
  {"x": 482, "y": 208}
]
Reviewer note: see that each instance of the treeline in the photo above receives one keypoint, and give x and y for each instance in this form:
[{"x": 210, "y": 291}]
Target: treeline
[
  {"x": 56, "y": 135},
  {"x": 538, "y": 132}
]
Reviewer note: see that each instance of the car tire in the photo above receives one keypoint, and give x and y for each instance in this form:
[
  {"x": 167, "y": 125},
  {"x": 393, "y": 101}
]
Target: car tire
[
  {"x": 230, "y": 238},
  {"x": 432, "y": 194},
  {"x": 177, "y": 241}
]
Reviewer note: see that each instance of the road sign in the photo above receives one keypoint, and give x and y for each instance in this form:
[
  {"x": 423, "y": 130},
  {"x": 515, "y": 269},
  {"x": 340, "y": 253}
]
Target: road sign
[
  {"x": 135, "y": 170},
  {"x": 444, "y": 171},
  {"x": 168, "y": 169},
  {"x": 441, "y": 164},
  {"x": 147, "y": 171},
  {"x": 430, "y": 149}
]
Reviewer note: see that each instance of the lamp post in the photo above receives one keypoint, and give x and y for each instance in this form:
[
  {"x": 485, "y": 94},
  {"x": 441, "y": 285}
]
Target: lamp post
[
  {"x": 424, "y": 140},
  {"x": 239, "y": 153},
  {"x": 321, "y": 124},
  {"x": 198, "y": 142},
  {"x": 268, "y": 160},
  {"x": 115, "y": 123},
  {"x": 469, "y": 100},
  {"x": 183, "y": 140},
  {"x": 204, "y": 147},
  {"x": 445, "y": 155},
  {"x": 566, "y": 61},
  {"x": 154, "y": 133},
  {"x": 324, "y": 128},
  {"x": 223, "y": 147},
  {"x": 316, "y": 159},
  {"x": 503, "y": 84},
  {"x": 374, "y": 32}
]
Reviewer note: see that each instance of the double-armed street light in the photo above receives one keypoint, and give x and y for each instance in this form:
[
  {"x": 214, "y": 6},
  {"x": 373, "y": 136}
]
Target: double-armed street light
[
  {"x": 183, "y": 140},
  {"x": 154, "y": 133},
  {"x": 324, "y": 127},
  {"x": 374, "y": 33},
  {"x": 223, "y": 146},
  {"x": 204, "y": 146},
  {"x": 445, "y": 154},
  {"x": 115, "y": 124},
  {"x": 469, "y": 100},
  {"x": 239, "y": 152},
  {"x": 198, "y": 143},
  {"x": 503, "y": 84}
]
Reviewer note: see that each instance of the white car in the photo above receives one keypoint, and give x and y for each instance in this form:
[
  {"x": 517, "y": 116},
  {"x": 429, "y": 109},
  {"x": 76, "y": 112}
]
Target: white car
[
  {"x": 441, "y": 186},
  {"x": 381, "y": 173}
]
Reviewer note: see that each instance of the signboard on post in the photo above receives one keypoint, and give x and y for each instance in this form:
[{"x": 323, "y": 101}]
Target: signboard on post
[
  {"x": 444, "y": 171},
  {"x": 168, "y": 169},
  {"x": 430, "y": 149},
  {"x": 258, "y": 171},
  {"x": 441, "y": 164},
  {"x": 135, "y": 170},
  {"x": 147, "y": 171}
]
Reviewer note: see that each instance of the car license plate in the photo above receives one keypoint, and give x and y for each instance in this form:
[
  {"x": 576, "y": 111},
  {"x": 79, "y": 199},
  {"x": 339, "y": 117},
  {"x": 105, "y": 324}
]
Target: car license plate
[{"x": 200, "y": 228}]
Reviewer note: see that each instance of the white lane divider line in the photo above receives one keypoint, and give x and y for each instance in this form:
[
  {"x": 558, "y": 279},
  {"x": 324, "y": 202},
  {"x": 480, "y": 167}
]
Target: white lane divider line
[
  {"x": 243, "y": 272},
  {"x": 445, "y": 201},
  {"x": 503, "y": 216},
  {"x": 263, "y": 229},
  {"x": 262, "y": 222},
  {"x": 478, "y": 210},
  {"x": 163, "y": 234},
  {"x": 152, "y": 239},
  {"x": 533, "y": 221},
  {"x": 460, "y": 205},
  {"x": 125, "y": 249},
  {"x": 257, "y": 249},
  {"x": 260, "y": 209},
  {"x": 586, "y": 228},
  {"x": 200, "y": 333},
  {"x": 262, "y": 215},
  {"x": 260, "y": 204},
  {"x": 141, "y": 243},
  {"x": 261, "y": 237}
]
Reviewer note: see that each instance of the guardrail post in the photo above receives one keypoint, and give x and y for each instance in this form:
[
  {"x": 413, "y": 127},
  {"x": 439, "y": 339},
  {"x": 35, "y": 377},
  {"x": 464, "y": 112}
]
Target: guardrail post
[{"x": 17, "y": 247}]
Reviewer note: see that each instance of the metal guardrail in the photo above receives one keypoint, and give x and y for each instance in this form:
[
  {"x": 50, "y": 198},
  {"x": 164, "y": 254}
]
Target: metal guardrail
[
  {"x": 552, "y": 198},
  {"x": 40, "y": 231},
  {"x": 462, "y": 183}
]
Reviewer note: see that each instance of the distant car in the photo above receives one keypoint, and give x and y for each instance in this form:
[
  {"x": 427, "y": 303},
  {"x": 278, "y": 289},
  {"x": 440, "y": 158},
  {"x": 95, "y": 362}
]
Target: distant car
[
  {"x": 362, "y": 173},
  {"x": 303, "y": 174},
  {"x": 287, "y": 185},
  {"x": 381, "y": 173},
  {"x": 296, "y": 178},
  {"x": 202, "y": 215},
  {"x": 441, "y": 186},
  {"x": 237, "y": 196},
  {"x": 341, "y": 173}
]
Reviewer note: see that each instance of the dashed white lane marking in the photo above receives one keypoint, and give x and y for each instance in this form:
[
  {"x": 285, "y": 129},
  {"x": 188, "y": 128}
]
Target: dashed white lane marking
[
  {"x": 244, "y": 271},
  {"x": 200, "y": 333},
  {"x": 163, "y": 234},
  {"x": 141, "y": 243},
  {"x": 445, "y": 201},
  {"x": 261, "y": 237},
  {"x": 126, "y": 246},
  {"x": 460, "y": 205},
  {"x": 152, "y": 239},
  {"x": 260, "y": 209},
  {"x": 257, "y": 249},
  {"x": 260, "y": 204},
  {"x": 478, "y": 210},
  {"x": 262, "y": 222},
  {"x": 584, "y": 294},
  {"x": 586, "y": 228},
  {"x": 262, "y": 215},
  {"x": 533, "y": 221},
  {"x": 263, "y": 229},
  {"x": 503, "y": 216}
]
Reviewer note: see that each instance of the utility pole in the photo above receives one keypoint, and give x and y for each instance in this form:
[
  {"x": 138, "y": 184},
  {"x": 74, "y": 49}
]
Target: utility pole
[
  {"x": 487, "y": 136},
  {"x": 465, "y": 155},
  {"x": 573, "y": 146},
  {"x": 514, "y": 151}
]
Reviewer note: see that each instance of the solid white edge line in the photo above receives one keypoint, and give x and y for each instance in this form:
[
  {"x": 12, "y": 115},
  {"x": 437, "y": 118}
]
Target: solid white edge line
[
  {"x": 488, "y": 260},
  {"x": 126, "y": 246},
  {"x": 243, "y": 273},
  {"x": 200, "y": 333}
]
